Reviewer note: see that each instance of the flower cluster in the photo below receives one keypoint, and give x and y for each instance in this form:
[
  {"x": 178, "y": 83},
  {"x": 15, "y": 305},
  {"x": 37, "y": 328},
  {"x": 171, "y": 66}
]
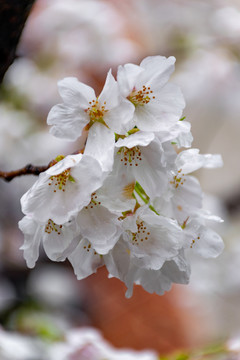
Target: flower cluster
[
  {"x": 76, "y": 344},
  {"x": 127, "y": 201},
  {"x": 88, "y": 344}
]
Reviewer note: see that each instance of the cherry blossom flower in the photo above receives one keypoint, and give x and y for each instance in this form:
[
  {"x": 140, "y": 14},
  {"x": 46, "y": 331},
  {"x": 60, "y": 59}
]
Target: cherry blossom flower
[
  {"x": 57, "y": 240},
  {"x": 63, "y": 189},
  {"x": 139, "y": 157},
  {"x": 179, "y": 134},
  {"x": 120, "y": 264},
  {"x": 104, "y": 115},
  {"x": 199, "y": 237},
  {"x": 84, "y": 259},
  {"x": 82, "y": 107},
  {"x": 99, "y": 225},
  {"x": 184, "y": 194},
  {"x": 88, "y": 344},
  {"x": 83, "y": 343},
  {"x": 158, "y": 104},
  {"x": 116, "y": 193},
  {"x": 152, "y": 238},
  {"x": 190, "y": 160}
]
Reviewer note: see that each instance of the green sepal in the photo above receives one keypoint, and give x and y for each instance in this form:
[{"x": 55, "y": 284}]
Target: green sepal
[
  {"x": 70, "y": 178},
  {"x": 133, "y": 131},
  {"x": 59, "y": 158}
]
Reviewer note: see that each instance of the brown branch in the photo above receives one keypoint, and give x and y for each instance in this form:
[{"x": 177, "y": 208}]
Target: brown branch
[
  {"x": 32, "y": 169},
  {"x": 26, "y": 170},
  {"x": 13, "y": 15}
]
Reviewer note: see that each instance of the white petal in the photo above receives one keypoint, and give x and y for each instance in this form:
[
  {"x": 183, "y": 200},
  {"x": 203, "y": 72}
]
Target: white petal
[
  {"x": 176, "y": 270},
  {"x": 43, "y": 203},
  {"x": 210, "y": 244},
  {"x": 100, "y": 145},
  {"x": 157, "y": 70},
  {"x": 207, "y": 215},
  {"x": 139, "y": 138},
  {"x": 119, "y": 110},
  {"x": 127, "y": 77},
  {"x": 58, "y": 242},
  {"x": 145, "y": 119},
  {"x": 150, "y": 173},
  {"x": 177, "y": 274},
  {"x": 187, "y": 198},
  {"x": 99, "y": 226},
  {"x": 189, "y": 160},
  {"x": 118, "y": 260},
  {"x": 184, "y": 140},
  {"x": 88, "y": 178},
  {"x": 120, "y": 118},
  {"x": 169, "y": 103},
  {"x": 110, "y": 94},
  {"x": 212, "y": 161},
  {"x": 68, "y": 122},
  {"x": 154, "y": 281},
  {"x": 129, "y": 223},
  {"x": 84, "y": 260},
  {"x": 67, "y": 162},
  {"x": 32, "y": 237},
  {"x": 160, "y": 241},
  {"x": 176, "y": 130},
  {"x": 75, "y": 93},
  {"x": 116, "y": 192},
  {"x": 69, "y": 119}
]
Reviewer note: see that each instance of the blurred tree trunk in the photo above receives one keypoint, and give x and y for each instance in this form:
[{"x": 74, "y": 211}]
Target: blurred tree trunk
[{"x": 13, "y": 15}]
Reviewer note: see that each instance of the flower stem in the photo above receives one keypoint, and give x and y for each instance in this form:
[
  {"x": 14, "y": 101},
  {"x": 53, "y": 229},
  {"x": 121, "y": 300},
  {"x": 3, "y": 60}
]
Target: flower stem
[{"x": 145, "y": 198}]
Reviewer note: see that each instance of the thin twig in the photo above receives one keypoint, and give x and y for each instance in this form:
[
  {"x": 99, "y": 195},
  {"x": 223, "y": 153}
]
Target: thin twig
[
  {"x": 32, "y": 169},
  {"x": 26, "y": 170}
]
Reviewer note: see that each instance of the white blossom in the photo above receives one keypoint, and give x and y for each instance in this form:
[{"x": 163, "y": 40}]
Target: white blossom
[
  {"x": 200, "y": 238},
  {"x": 84, "y": 259},
  {"x": 140, "y": 158},
  {"x": 99, "y": 225},
  {"x": 152, "y": 238},
  {"x": 57, "y": 239},
  {"x": 158, "y": 104},
  {"x": 120, "y": 264},
  {"x": 179, "y": 134},
  {"x": 16, "y": 346},
  {"x": 88, "y": 344},
  {"x": 104, "y": 115},
  {"x": 63, "y": 189},
  {"x": 184, "y": 193}
]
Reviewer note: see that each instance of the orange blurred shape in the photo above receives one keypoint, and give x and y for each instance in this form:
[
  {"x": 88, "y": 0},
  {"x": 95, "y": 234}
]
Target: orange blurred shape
[{"x": 143, "y": 321}]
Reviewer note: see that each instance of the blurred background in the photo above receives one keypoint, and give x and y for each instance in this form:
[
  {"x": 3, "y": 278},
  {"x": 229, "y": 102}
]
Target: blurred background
[{"x": 84, "y": 38}]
